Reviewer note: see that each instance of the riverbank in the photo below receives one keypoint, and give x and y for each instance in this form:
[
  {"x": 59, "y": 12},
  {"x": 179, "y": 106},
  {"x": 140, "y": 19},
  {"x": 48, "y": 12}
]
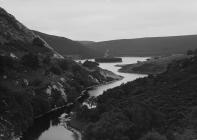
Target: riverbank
[
  {"x": 165, "y": 103},
  {"x": 79, "y": 125},
  {"x": 102, "y": 82},
  {"x": 67, "y": 108},
  {"x": 155, "y": 65}
]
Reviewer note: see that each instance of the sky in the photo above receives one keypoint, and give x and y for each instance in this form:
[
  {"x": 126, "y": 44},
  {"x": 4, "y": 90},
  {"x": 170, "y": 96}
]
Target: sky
[{"x": 99, "y": 20}]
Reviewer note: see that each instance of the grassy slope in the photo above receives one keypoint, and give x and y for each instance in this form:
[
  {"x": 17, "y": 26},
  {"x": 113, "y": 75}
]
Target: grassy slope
[
  {"x": 153, "y": 46},
  {"x": 165, "y": 103},
  {"x": 152, "y": 66},
  {"x": 66, "y": 46}
]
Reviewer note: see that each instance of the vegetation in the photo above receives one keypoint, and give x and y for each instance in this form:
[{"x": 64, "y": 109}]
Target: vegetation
[
  {"x": 37, "y": 41},
  {"x": 153, "y": 65},
  {"x": 108, "y": 60},
  {"x": 56, "y": 70},
  {"x": 164, "y": 103},
  {"x": 151, "y": 46},
  {"x": 192, "y": 52},
  {"x": 30, "y": 60},
  {"x": 34, "y": 82},
  {"x": 68, "y": 47},
  {"x": 90, "y": 64}
]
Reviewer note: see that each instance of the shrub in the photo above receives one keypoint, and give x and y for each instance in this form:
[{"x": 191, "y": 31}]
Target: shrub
[
  {"x": 56, "y": 70},
  {"x": 36, "y": 82},
  {"x": 37, "y": 41},
  {"x": 46, "y": 60},
  {"x": 6, "y": 61},
  {"x": 190, "y": 52},
  {"x": 90, "y": 64},
  {"x": 153, "y": 136},
  {"x": 64, "y": 64},
  {"x": 30, "y": 60},
  {"x": 40, "y": 105},
  {"x": 76, "y": 68}
]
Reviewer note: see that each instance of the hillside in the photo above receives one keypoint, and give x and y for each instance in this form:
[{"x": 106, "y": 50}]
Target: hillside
[
  {"x": 161, "y": 107},
  {"x": 34, "y": 78},
  {"x": 153, "y": 46},
  {"x": 68, "y": 47},
  {"x": 153, "y": 65},
  {"x": 18, "y": 39}
]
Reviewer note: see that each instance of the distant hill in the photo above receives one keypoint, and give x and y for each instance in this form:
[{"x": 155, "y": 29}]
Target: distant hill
[
  {"x": 67, "y": 47},
  {"x": 86, "y": 42},
  {"x": 152, "y": 46}
]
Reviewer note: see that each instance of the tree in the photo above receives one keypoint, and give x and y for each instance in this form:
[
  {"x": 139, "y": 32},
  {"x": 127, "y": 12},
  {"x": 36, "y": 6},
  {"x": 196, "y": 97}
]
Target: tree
[
  {"x": 30, "y": 60},
  {"x": 190, "y": 52},
  {"x": 56, "y": 70},
  {"x": 37, "y": 41},
  {"x": 90, "y": 64},
  {"x": 64, "y": 65}
]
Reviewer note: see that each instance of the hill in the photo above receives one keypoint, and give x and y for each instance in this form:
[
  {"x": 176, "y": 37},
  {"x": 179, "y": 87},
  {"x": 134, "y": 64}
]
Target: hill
[
  {"x": 68, "y": 47},
  {"x": 18, "y": 39},
  {"x": 35, "y": 79},
  {"x": 158, "y": 107},
  {"x": 153, "y": 65},
  {"x": 153, "y": 46}
]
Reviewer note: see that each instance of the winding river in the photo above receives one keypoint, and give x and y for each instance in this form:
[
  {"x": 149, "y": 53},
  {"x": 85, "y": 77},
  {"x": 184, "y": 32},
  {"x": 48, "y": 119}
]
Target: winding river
[{"x": 55, "y": 128}]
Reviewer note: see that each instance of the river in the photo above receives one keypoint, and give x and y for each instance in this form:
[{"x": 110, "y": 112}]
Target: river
[{"x": 55, "y": 128}]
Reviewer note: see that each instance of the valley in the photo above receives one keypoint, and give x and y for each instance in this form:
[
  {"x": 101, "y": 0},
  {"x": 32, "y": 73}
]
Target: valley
[
  {"x": 62, "y": 127},
  {"x": 55, "y": 88}
]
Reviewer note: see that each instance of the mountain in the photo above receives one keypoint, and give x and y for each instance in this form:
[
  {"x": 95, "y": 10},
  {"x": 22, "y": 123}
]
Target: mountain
[
  {"x": 68, "y": 47},
  {"x": 18, "y": 39},
  {"x": 35, "y": 79},
  {"x": 153, "y": 46}
]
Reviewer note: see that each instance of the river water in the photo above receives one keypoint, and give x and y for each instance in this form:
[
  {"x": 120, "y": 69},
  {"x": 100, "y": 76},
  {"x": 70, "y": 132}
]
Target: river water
[
  {"x": 112, "y": 67},
  {"x": 55, "y": 128}
]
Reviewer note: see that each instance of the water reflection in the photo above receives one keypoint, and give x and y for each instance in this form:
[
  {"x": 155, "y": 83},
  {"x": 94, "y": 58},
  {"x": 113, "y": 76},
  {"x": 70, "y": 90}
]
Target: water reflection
[{"x": 51, "y": 127}]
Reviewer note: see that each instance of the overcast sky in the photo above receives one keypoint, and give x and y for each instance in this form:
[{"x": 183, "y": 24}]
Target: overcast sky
[{"x": 98, "y": 20}]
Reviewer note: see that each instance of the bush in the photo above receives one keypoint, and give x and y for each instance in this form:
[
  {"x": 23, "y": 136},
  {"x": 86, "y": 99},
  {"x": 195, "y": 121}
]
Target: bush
[
  {"x": 6, "y": 61},
  {"x": 76, "y": 68},
  {"x": 153, "y": 136},
  {"x": 40, "y": 105},
  {"x": 46, "y": 60},
  {"x": 37, "y": 41},
  {"x": 36, "y": 82},
  {"x": 64, "y": 64},
  {"x": 56, "y": 98},
  {"x": 90, "y": 64},
  {"x": 190, "y": 52},
  {"x": 56, "y": 70},
  {"x": 30, "y": 60}
]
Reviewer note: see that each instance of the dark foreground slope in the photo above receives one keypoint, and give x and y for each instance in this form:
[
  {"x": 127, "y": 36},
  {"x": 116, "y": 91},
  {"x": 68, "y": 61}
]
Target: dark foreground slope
[
  {"x": 153, "y": 46},
  {"x": 161, "y": 107},
  {"x": 34, "y": 78},
  {"x": 68, "y": 47}
]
